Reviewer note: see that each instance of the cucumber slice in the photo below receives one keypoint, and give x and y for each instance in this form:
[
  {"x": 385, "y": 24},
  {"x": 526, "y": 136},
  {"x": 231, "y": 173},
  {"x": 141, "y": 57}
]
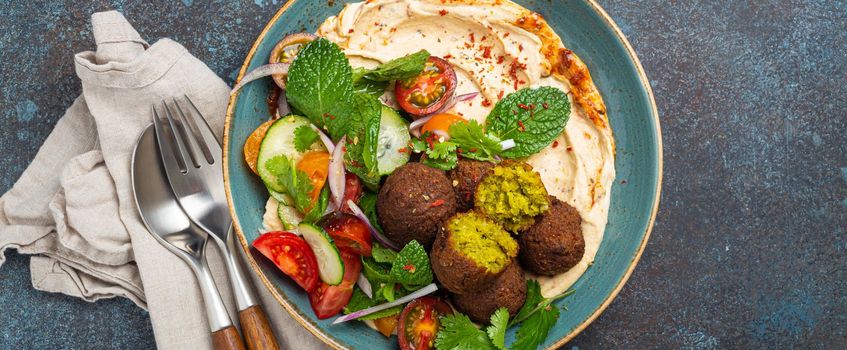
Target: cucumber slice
[
  {"x": 279, "y": 140},
  {"x": 330, "y": 266},
  {"x": 289, "y": 216},
  {"x": 393, "y": 136},
  {"x": 280, "y": 197}
]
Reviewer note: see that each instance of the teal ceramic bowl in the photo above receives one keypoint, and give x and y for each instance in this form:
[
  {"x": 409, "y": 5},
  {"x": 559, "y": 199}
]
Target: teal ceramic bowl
[{"x": 587, "y": 30}]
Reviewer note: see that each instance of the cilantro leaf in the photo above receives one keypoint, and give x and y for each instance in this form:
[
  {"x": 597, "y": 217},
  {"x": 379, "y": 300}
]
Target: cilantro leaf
[
  {"x": 399, "y": 68},
  {"x": 534, "y": 330},
  {"x": 319, "y": 207},
  {"x": 533, "y": 117},
  {"x": 320, "y": 86},
  {"x": 459, "y": 333},
  {"x": 497, "y": 330},
  {"x": 533, "y": 299},
  {"x": 295, "y": 182},
  {"x": 363, "y": 138},
  {"x": 440, "y": 155},
  {"x": 304, "y": 137},
  {"x": 474, "y": 142},
  {"x": 411, "y": 266}
]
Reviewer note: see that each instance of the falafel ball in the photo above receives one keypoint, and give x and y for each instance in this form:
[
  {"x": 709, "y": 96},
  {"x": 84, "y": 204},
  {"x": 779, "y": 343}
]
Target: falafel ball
[
  {"x": 508, "y": 290},
  {"x": 555, "y": 243},
  {"x": 470, "y": 251},
  {"x": 512, "y": 194},
  {"x": 413, "y": 203},
  {"x": 465, "y": 177}
]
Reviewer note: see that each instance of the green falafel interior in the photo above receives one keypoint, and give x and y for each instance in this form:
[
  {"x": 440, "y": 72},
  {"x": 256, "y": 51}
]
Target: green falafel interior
[
  {"x": 512, "y": 194},
  {"x": 482, "y": 240}
]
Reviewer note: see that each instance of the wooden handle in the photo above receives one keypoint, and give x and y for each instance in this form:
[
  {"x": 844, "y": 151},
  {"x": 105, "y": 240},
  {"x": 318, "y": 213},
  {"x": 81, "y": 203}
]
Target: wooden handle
[
  {"x": 257, "y": 329},
  {"x": 227, "y": 339}
]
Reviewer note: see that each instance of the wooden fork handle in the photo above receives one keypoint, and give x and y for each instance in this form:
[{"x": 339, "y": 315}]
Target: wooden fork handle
[
  {"x": 257, "y": 330},
  {"x": 227, "y": 339}
]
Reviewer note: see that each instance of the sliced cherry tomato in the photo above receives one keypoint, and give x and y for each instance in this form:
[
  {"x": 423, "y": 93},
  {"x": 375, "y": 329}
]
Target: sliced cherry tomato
[
  {"x": 327, "y": 300},
  {"x": 292, "y": 255},
  {"x": 429, "y": 91},
  {"x": 352, "y": 191},
  {"x": 316, "y": 165},
  {"x": 286, "y": 50},
  {"x": 349, "y": 233},
  {"x": 386, "y": 325},
  {"x": 419, "y": 322},
  {"x": 254, "y": 141},
  {"x": 440, "y": 123}
]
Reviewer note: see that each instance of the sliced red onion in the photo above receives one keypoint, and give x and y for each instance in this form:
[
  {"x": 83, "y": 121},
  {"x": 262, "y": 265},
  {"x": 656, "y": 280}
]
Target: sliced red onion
[
  {"x": 510, "y": 143},
  {"x": 415, "y": 126},
  {"x": 417, "y": 294},
  {"x": 336, "y": 173},
  {"x": 282, "y": 108},
  {"x": 325, "y": 139},
  {"x": 454, "y": 100},
  {"x": 365, "y": 285},
  {"x": 374, "y": 232},
  {"x": 261, "y": 72}
]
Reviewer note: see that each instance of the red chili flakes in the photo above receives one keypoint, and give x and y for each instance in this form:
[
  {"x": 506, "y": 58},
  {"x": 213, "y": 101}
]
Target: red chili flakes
[
  {"x": 500, "y": 59},
  {"x": 506, "y": 35},
  {"x": 350, "y": 31},
  {"x": 442, "y": 12},
  {"x": 409, "y": 267},
  {"x": 473, "y": 39},
  {"x": 520, "y": 47},
  {"x": 483, "y": 38},
  {"x": 545, "y": 105},
  {"x": 570, "y": 149},
  {"x": 438, "y": 202},
  {"x": 555, "y": 143},
  {"x": 486, "y": 103},
  {"x": 500, "y": 95},
  {"x": 486, "y": 51},
  {"x": 524, "y": 107},
  {"x": 448, "y": 56},
  {"x": 403, "y": 150},
  {"x": 522, "y": 127},
  {"x": 473, "y": 149},
  {"x": 393, "y": 29},
  {"x": 344, "y": 148}
]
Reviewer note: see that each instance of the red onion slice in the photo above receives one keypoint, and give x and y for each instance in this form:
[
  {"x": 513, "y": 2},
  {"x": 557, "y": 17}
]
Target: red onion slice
[
  {"x": 417, "y": 294},
  {"x": 336, "y": 173},
  {"x": 330, "y": 147},
  {"x": 260, "y": 72},
  {"x": 415, "y": 126},
  {"x": 365, "y": 285},
  {"x": 376, "y": 235},
  {"x": 454, "y": 100}
]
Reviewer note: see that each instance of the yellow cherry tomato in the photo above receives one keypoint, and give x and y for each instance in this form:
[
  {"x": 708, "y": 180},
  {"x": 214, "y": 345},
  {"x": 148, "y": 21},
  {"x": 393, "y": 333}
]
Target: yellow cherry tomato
[
  {"x": 316, "y": 166},
  {"x": 251, "y": 146},
  {"x": 441, "y": 121}
]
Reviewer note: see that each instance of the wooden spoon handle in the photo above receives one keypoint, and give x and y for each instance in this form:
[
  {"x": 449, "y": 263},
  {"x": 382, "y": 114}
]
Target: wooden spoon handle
[
  {"x": 257, "y": 330},
  {"x": 227, "y": 339}
]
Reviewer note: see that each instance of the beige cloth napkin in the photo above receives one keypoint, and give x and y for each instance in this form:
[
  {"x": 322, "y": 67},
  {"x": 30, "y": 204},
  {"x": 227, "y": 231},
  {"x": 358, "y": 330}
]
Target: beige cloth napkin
[{"x": 73, "y": 210}]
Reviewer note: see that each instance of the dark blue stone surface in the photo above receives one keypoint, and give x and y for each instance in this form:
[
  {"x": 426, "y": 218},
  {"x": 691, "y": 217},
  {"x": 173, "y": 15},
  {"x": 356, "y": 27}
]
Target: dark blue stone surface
[{"x": 750, "y": 245}]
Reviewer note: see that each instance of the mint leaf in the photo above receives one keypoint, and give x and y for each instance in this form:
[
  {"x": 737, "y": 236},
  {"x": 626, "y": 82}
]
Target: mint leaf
[
  {"x": 376, "y": 272},
  {"x": 457, "y": 332},
  {"x": 304, "y": 137},
  {"x": 411, "y": 266},
  {"x": 363, "y": 138},
  {"x": 399, "y": 68},
  {"x": 533, "y": 117},
  {"x": 534, "y": 330},
  {"x": 497, "y": 330},
  {"x": 382, "y": 254},
  {"x": 474, "y": 142},
  {"x": 360, "y": 301},
  {"x": 362, "y": 85},
  {"x": 321, "y": 87}
]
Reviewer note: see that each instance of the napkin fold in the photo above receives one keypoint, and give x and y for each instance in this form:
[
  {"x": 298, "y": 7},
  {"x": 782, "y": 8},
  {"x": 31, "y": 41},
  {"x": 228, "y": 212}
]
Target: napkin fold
[{"x": 73, "y": 208}]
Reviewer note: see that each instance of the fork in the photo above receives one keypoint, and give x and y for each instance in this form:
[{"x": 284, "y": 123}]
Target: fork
[{"x": 191, "y": 156}]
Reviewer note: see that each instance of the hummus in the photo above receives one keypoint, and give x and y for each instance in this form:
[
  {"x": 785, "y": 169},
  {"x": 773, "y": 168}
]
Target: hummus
[{"x": 496, "y": 48}]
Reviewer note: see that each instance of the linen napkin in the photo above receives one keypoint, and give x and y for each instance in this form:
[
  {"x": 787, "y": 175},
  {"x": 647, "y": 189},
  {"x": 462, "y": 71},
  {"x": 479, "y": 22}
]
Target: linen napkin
[{"x": 73, "y": 208}]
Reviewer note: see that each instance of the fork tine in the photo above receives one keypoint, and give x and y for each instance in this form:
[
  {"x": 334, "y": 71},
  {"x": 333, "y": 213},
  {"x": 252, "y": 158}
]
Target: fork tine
[
  {"x": 205, "y": 131},
  {"x": 194, "y": 147},
  {"x": 164, "y": 139},
  {"x": 178, "y": 131},
  {"x": 189, "y": 121}
]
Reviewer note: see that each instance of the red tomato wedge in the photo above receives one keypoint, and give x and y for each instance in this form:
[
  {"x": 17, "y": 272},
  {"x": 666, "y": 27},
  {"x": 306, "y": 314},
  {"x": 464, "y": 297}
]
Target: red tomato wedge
[
  {"x": 352, "y": 191},
  {"x": 292, "y": 255},
  {"x": 419, "y": 323},
  {"x": 429, "y": 91},
  {"x": 349, "y": 233},
  {"x": 327, "y": 300}
]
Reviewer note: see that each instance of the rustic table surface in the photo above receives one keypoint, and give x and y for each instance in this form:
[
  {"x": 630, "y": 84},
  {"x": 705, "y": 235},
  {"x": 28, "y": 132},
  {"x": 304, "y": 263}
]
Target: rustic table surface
[{"x": 750, "y": 244}]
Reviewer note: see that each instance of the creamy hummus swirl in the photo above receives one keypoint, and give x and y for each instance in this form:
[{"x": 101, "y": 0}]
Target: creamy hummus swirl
[{"x": 498, "y": 47}]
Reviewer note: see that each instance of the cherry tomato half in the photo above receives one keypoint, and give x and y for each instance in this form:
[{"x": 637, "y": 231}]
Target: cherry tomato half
[
  {"x": 429, "y": 91},
  {"x": 349, "y": 233},
  {"x": 386, "y": 325},
  {"x": 352, "y": 191},
  {"x": 286, "y": 50},
  {"x": 327, "y": 300},
  {"x": 316, "y": 165},
  {"x": 292, "y": 255},
  {"x": 254, "y": 141},
  {"x": 440, "y": 123},
  {"x": 419, "y": 322}
]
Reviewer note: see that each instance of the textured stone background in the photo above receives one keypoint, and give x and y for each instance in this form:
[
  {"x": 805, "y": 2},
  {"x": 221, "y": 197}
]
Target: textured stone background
[{"x": 749, "y": 245}]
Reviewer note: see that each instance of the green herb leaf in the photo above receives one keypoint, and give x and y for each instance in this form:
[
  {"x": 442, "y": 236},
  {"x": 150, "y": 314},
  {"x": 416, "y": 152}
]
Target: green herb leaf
[
  {"x": 368, "y": 205},
  {"x": 382, "y": 254},
  {"x": 376, "y": 272},
  {"x": 360, "y": 301},
  {"x": 534, "y": 330},
  {"x": 362, "y": 85},
  {"x": 533, "y": 299},
  {"x": 304, "y": 137},
  {"x": 459, "y": 333},
  {"x": 320, "y": 86},
  {"x": 399, "y": 68},
  {"x": 363, "y": 138},
  {"x": 474, "y": 142},
  {"x": 295, "y": 182},
  {"x": 411, "y": 266},
  {"x": 319, "y": 208},
  {"x": 533, "y": 117},
  {"x": 497, "y": 330}
]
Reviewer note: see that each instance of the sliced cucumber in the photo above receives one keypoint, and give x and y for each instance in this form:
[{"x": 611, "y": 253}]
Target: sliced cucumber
[
  {"x": 289, "y": 216},
  {"x": 330, "y": 266},
  {"x": 280, "y": 197},
  {"x": 279, "y": 140},
  {"x": 393, "y": 136}
]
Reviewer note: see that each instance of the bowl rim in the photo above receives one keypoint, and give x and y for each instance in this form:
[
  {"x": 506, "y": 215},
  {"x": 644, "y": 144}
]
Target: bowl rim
[{"x": 331, "y": 341}]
